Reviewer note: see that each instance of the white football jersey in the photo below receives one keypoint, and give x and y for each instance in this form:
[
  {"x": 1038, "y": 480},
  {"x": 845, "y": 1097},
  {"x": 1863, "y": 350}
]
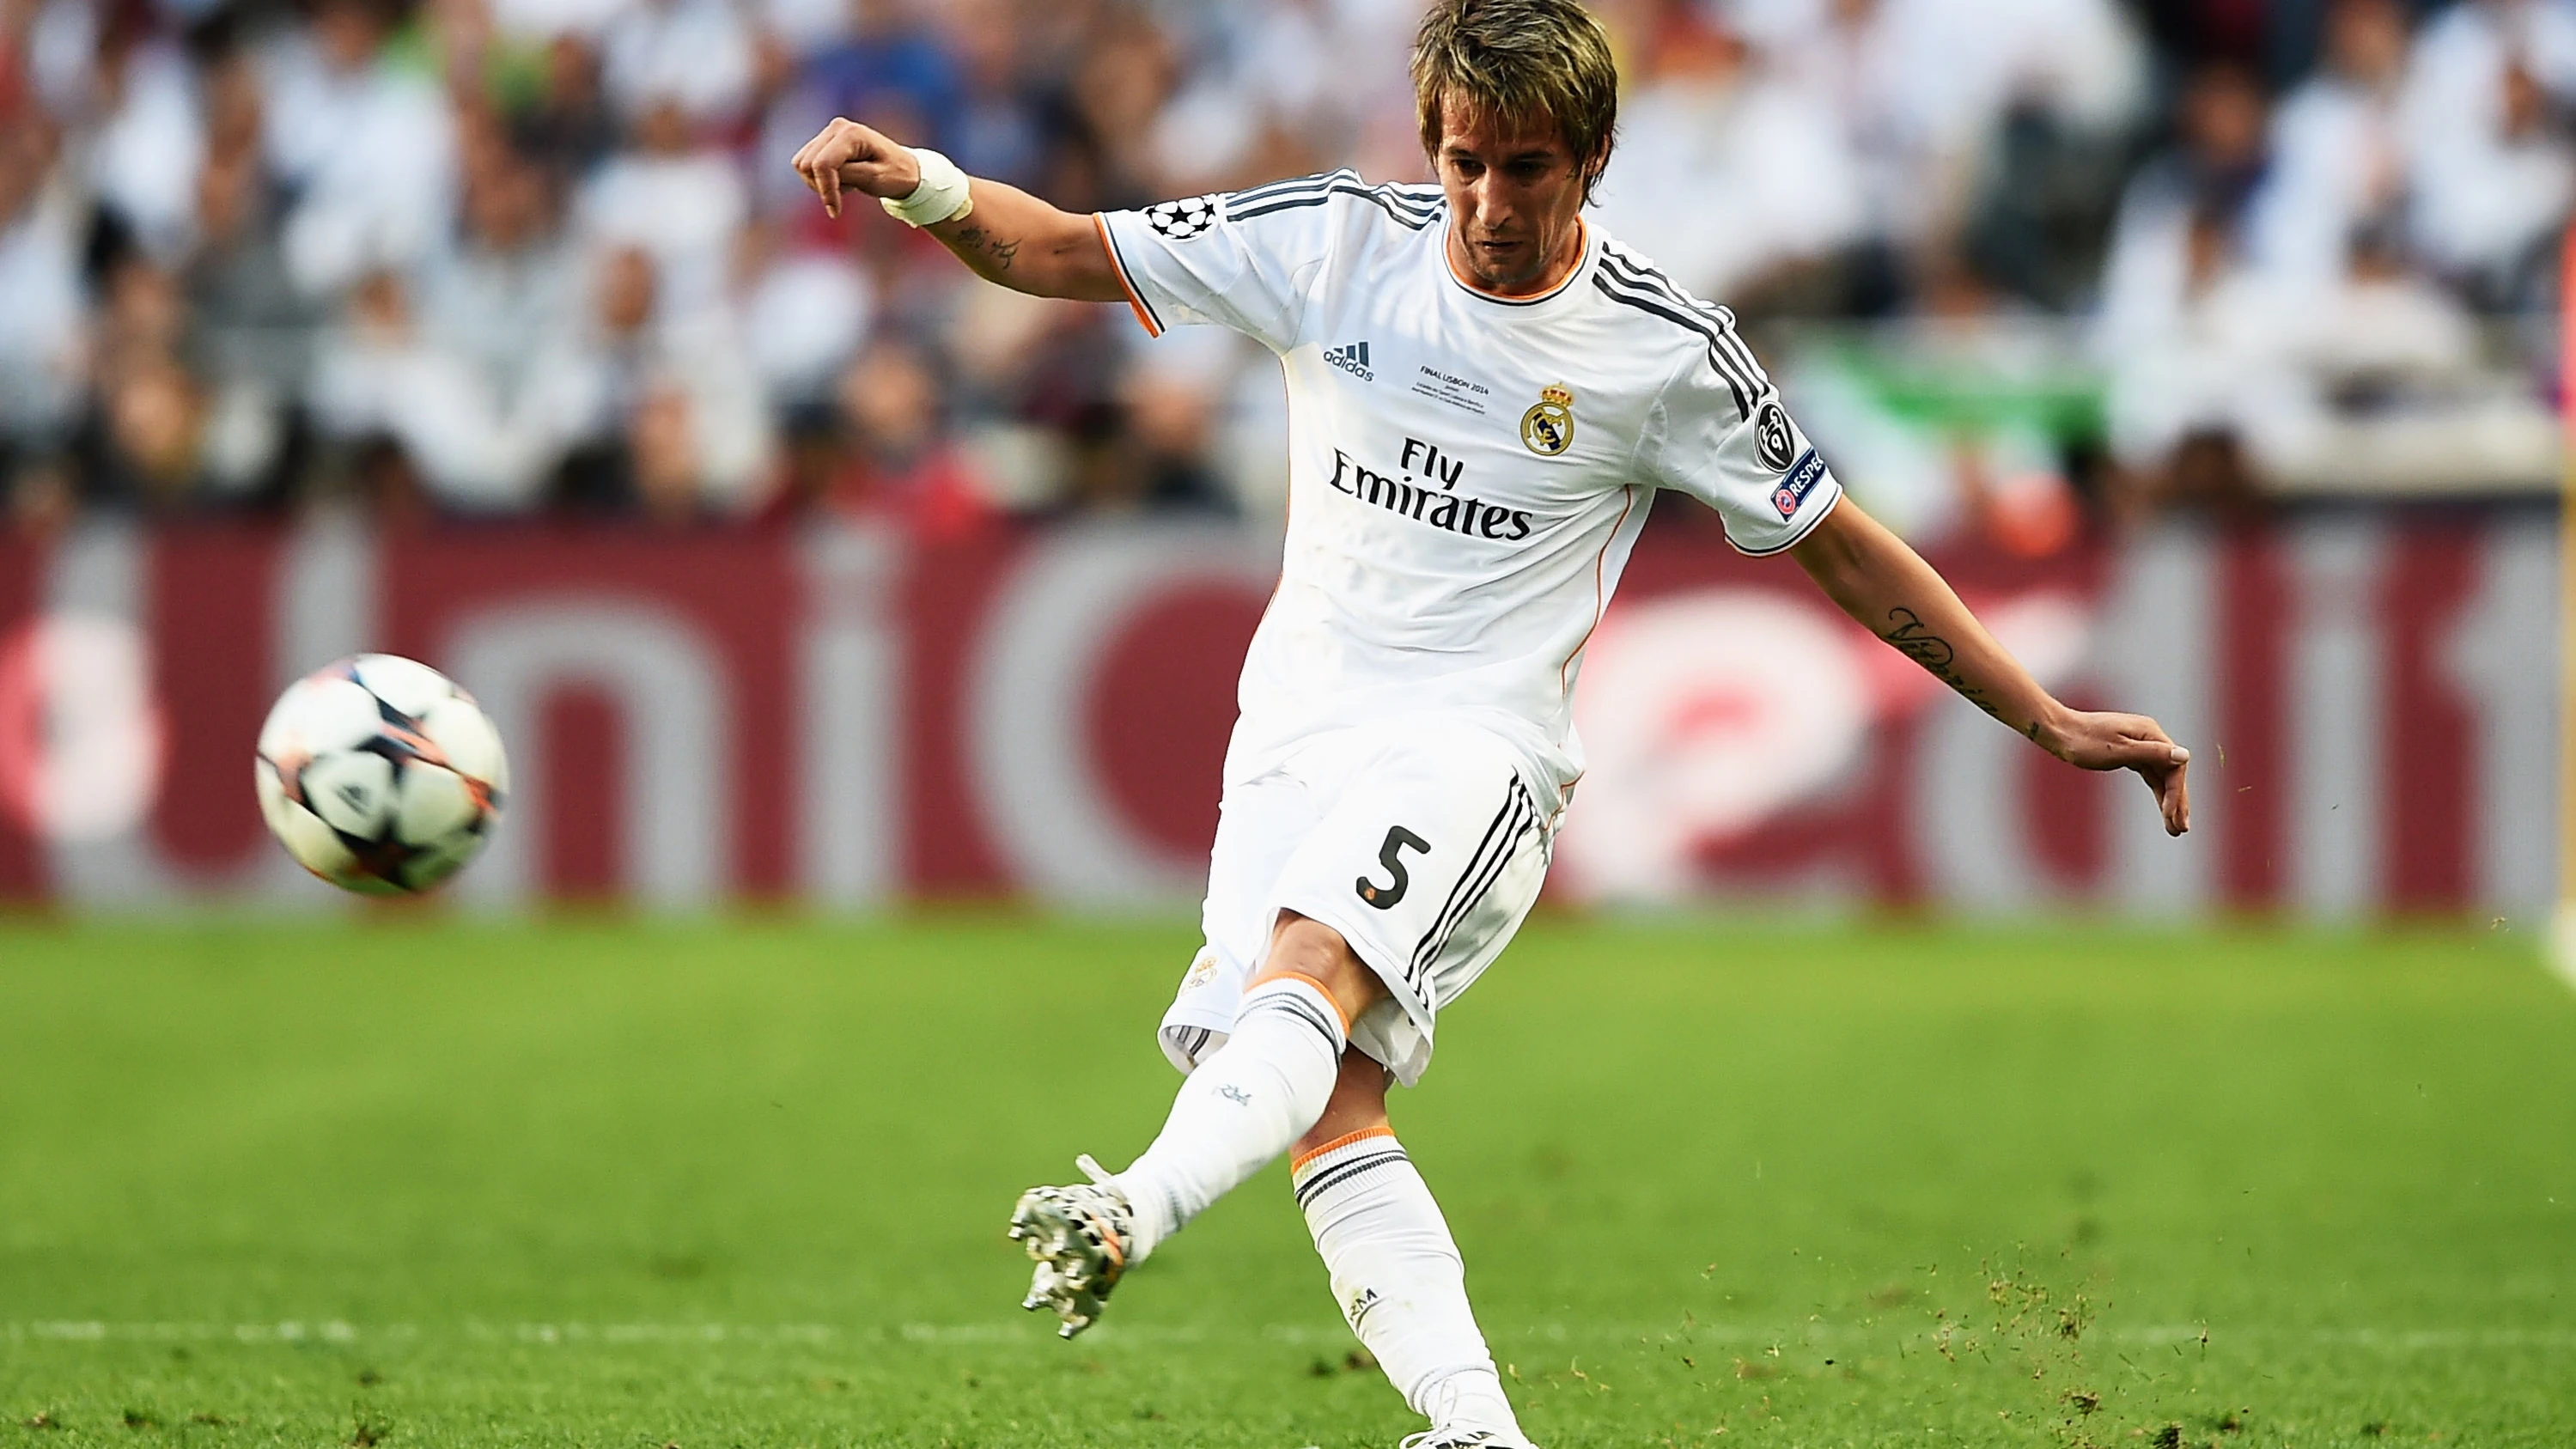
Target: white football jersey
[{"x": 1467, "y": 472}]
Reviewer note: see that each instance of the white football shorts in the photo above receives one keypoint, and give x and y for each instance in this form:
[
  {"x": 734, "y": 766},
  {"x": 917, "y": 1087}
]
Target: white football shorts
[{"x": 1417, "y": 839}]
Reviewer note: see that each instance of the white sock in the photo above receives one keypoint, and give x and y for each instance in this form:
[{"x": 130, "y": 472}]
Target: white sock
[
  {"x": 1247, "y": 1103},
  {"x": 1399, "y": 1280}
]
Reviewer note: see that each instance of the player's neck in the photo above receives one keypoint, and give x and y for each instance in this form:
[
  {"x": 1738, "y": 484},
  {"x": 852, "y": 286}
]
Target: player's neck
[{"x": 1569, "y": 255}]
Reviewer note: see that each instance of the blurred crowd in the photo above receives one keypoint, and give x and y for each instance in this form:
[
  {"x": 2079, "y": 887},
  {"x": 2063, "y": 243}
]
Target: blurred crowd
[{"x": 2024, "y": 264}]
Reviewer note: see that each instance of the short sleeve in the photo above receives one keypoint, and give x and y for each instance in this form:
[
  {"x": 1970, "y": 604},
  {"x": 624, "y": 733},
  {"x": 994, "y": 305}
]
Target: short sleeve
[
  {"x": 1728, "y": 442},
  {"x": 1242, "y": 260}
]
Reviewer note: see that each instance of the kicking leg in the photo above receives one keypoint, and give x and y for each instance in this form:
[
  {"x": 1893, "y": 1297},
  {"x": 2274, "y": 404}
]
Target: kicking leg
[
  {"x": 1396, "y": 1272},
  {"x": 1245, "y": 1105}
]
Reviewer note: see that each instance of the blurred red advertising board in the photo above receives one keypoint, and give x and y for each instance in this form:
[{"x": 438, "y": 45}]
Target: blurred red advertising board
[{"x": 841, "y": 716}]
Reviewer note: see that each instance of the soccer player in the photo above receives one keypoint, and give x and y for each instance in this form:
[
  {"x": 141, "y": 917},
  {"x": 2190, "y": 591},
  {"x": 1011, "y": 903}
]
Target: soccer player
[{"x": 1485, "y": 395}]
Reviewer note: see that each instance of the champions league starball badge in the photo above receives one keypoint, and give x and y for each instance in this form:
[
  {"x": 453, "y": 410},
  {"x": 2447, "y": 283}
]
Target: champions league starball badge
[
  {"x": 1186, "y": 218},
  {"x": 1547, "y": 429}
]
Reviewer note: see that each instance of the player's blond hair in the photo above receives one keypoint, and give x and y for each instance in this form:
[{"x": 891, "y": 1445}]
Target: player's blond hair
[{"x": 1519, "y": 59}]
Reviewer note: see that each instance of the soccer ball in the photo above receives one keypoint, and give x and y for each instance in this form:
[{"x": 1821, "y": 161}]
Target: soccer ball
[{"x": 379, "y": 775}]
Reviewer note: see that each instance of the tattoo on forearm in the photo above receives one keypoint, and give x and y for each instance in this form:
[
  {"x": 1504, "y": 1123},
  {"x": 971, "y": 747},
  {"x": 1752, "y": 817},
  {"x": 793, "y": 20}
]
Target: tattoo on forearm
[
  {"x": 983, "y": 243},
  {"x": 1911, "y": 639}
]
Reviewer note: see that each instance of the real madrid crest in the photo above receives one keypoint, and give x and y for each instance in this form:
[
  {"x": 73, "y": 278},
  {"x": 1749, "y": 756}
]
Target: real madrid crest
[{"x": 1547, "y": 429}]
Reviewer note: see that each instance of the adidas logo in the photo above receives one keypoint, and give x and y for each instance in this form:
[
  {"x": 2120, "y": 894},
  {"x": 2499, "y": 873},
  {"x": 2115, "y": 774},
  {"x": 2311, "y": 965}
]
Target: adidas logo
[{"x": 1351, "y": 358}]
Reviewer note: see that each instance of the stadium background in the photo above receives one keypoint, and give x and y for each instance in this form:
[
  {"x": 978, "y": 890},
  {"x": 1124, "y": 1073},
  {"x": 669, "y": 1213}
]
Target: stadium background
[{"x": 2211, "y": 345}]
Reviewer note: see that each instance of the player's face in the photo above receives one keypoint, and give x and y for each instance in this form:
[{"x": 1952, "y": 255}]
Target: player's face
[{"x": 1514, "y": 191}]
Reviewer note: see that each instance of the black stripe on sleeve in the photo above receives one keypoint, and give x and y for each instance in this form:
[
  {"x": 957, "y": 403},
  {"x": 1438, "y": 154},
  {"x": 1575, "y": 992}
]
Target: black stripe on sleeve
[
  {"x": 1643, "y": 277},
  {"x": 1736, "y": 381},
  {"x": 1734, "y": 347},
  {"x": 1295, "y": 185},
  {"x": 1403, "y": 216},
  {"x": 1726, "y": 352},
  {"x": 1659, "y": 300},
  {"x": 1289, "y": 204},
  {"x": 1647, "y": 282},
  {"x": 1639, "y": 272},
  {"x": 1402, "y": 199},
  {"x": 1735, "y": 339},
  {"x": 1734, "y": 385}
]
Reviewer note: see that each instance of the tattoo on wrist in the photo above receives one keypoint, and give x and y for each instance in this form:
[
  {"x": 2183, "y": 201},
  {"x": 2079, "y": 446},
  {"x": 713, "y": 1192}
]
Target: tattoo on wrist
[
  {"x": 975, "y": 239},
  {"x": 1939, "y": 659}
]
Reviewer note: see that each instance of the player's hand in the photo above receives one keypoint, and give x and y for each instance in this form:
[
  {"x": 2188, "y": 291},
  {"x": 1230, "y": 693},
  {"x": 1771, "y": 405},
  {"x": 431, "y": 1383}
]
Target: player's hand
[
  {"x": 846, "y": 156},
  {"x": 2109, "y": 741}
]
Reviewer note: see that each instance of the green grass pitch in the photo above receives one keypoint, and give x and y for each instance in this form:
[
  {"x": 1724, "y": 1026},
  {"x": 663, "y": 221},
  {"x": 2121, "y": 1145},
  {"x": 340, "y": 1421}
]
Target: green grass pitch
[{"x": 411, "y": 1183}]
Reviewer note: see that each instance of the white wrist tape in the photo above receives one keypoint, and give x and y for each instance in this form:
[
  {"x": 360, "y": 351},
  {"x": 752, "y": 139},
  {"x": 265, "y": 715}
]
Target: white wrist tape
[{"x": 941, "y": 196}]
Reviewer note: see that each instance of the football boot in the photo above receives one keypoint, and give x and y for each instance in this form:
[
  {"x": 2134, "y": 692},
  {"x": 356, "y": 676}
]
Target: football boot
[{"x": 1080, "y": 1236}]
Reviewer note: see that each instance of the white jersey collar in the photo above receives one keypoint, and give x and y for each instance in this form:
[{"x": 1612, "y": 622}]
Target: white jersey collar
[{"x": 1582, "y": 264}]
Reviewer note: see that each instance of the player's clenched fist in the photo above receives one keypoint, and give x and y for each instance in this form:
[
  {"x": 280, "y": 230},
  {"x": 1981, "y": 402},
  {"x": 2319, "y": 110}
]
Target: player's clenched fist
[{"x": 848, "y": 156}]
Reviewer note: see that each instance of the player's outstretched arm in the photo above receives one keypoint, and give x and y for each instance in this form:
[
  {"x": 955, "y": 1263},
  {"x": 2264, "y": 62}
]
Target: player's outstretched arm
[
  {"x": 1888, "y": 587},
  {"x": 1007, "y": 236}
]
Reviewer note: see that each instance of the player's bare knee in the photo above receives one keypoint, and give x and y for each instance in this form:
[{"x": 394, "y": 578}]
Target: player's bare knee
[{"x": 1303, "y": 946}]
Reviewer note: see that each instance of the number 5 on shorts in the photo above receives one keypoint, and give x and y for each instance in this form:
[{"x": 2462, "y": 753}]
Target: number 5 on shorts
[{"x": 1391, "y": 855}]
